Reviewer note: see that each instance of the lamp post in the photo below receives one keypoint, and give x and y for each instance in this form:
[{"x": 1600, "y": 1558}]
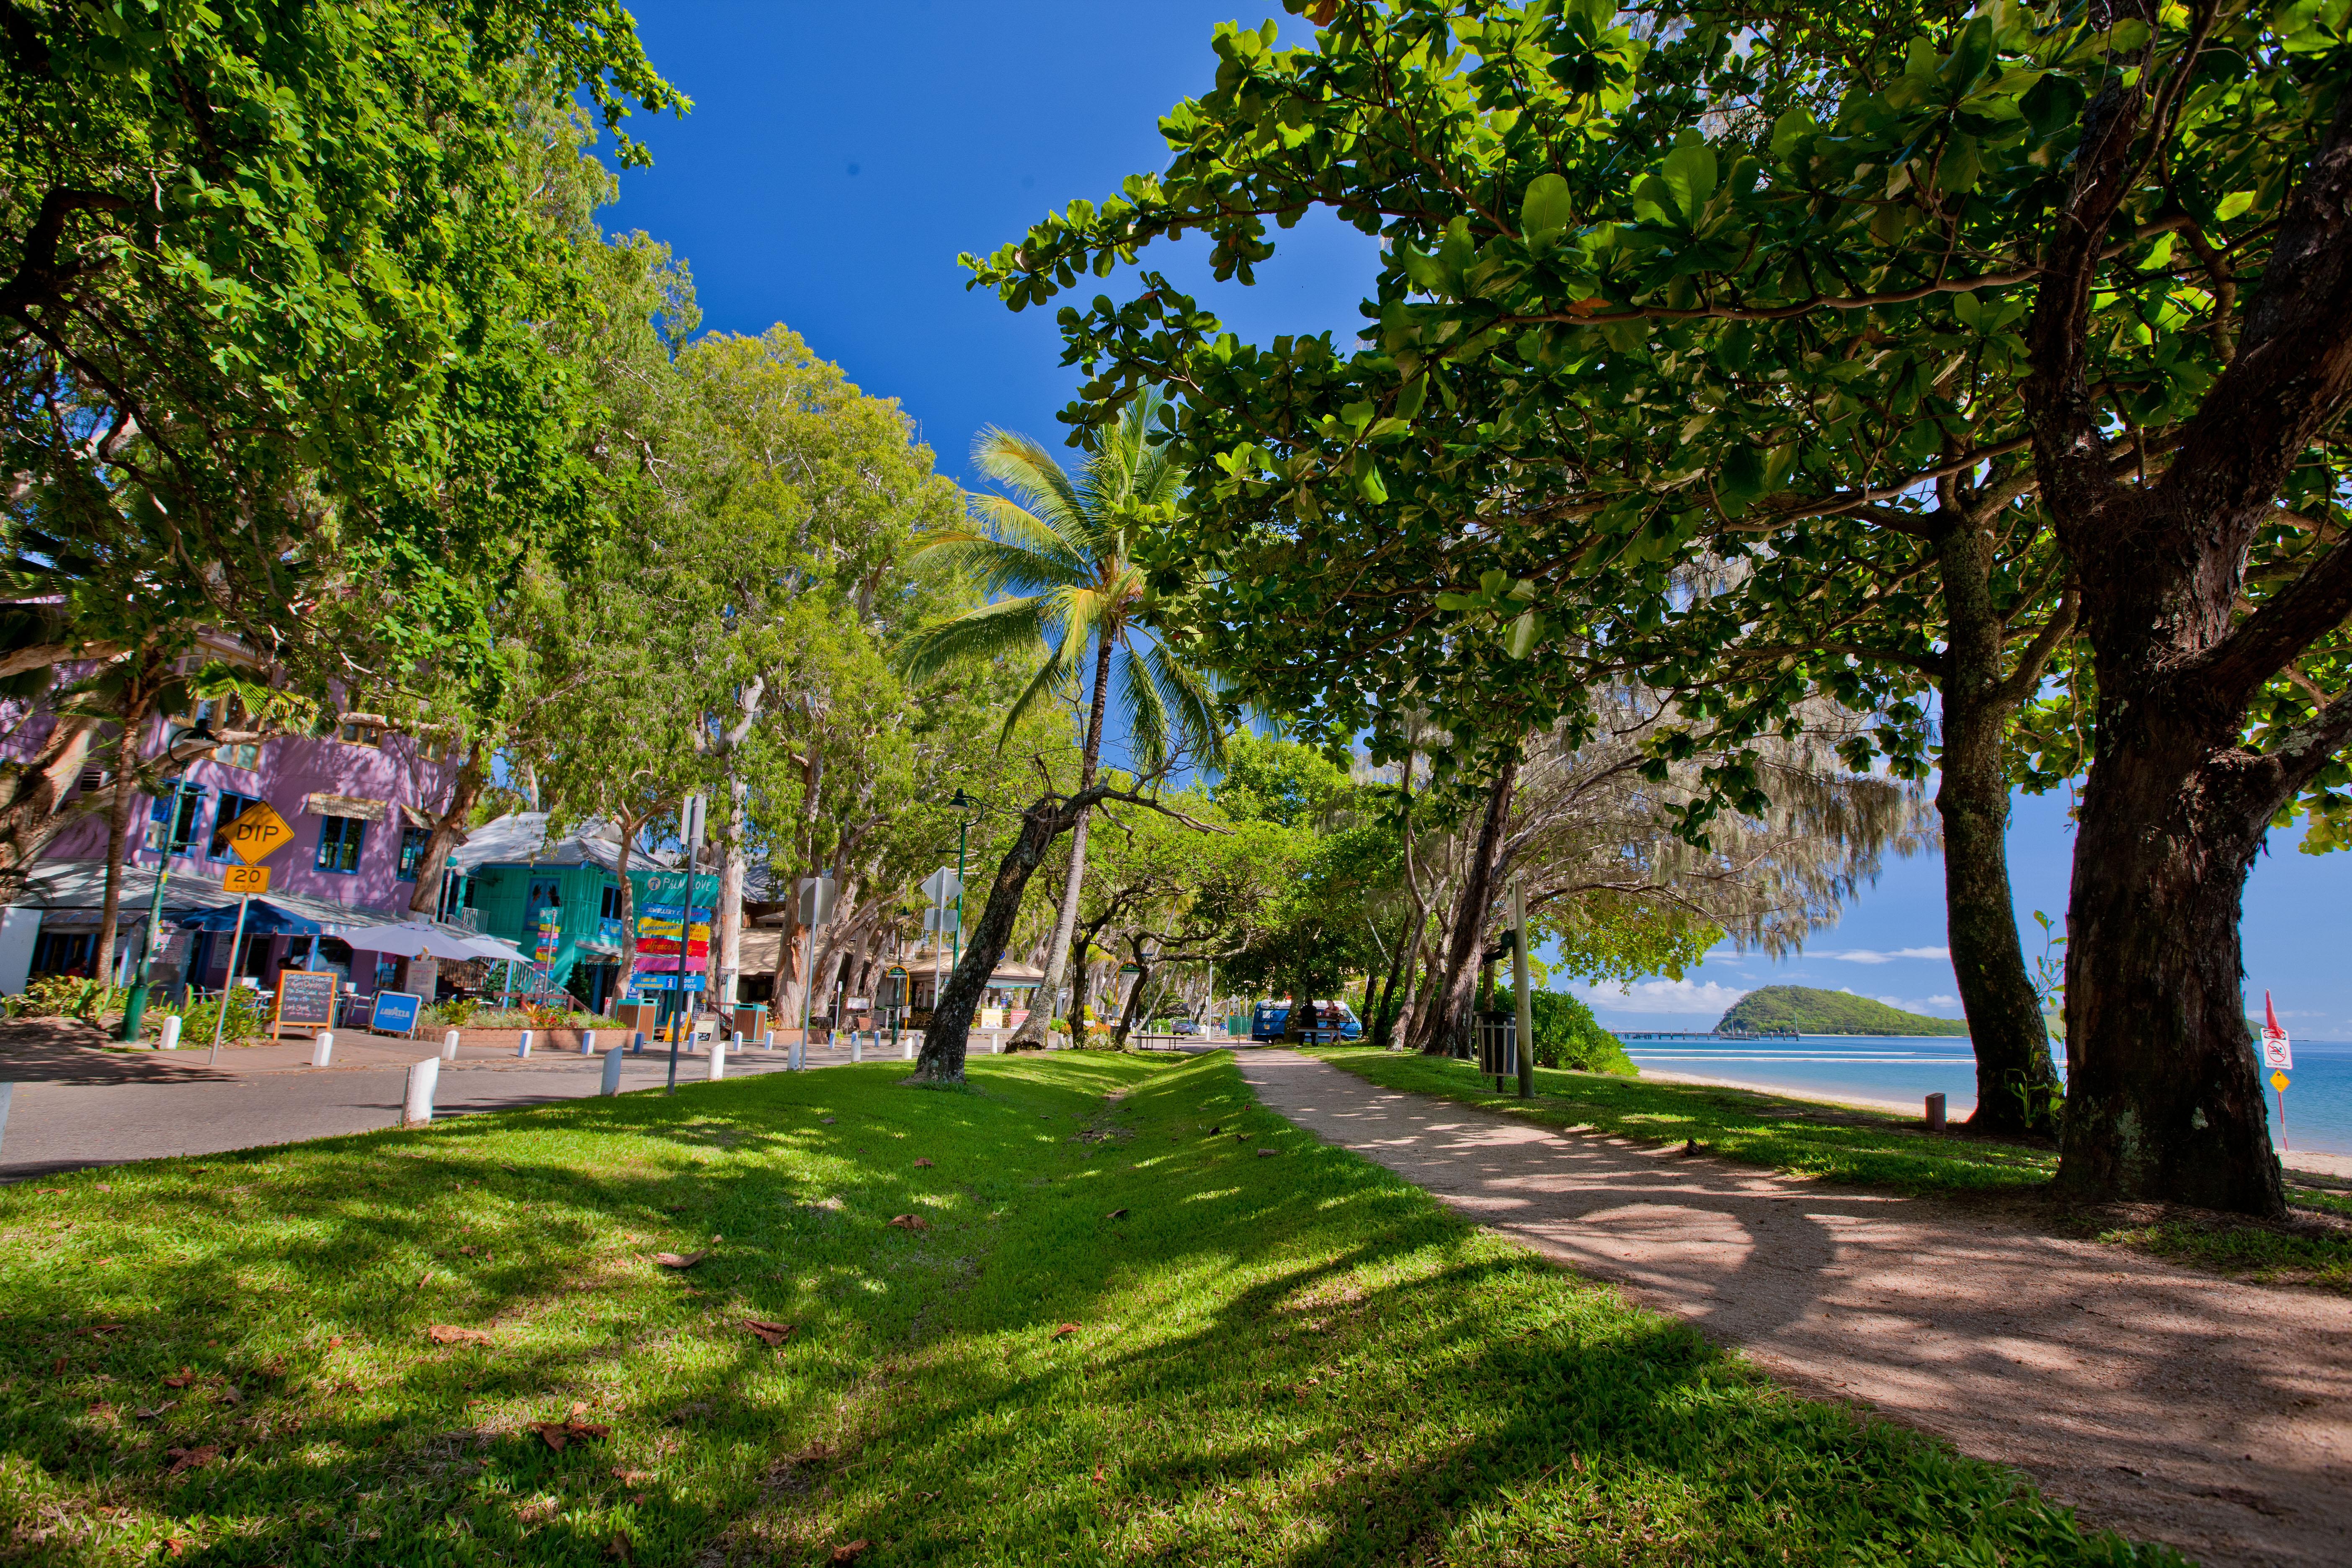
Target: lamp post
[
  {"x": 964, "y": 803},
  {"x": 134, "y": 1007}
]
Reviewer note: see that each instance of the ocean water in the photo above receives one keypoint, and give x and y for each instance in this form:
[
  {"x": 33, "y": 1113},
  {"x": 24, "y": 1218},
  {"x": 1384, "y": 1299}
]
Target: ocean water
[{"x": 1908, "y": 1068}]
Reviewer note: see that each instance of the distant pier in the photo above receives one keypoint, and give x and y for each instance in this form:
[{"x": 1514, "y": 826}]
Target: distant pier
[{"x": 1710, "y": 1034}]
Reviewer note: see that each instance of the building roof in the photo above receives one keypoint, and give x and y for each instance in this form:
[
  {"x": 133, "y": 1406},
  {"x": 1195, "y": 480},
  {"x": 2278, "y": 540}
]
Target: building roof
[
  {"x": 72, "y": 893},
  {"x": 520, "y": 839}
]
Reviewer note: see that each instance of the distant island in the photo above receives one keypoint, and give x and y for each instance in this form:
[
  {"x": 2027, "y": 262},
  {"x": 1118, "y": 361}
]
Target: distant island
[{"x": 1778, "y": 1008}]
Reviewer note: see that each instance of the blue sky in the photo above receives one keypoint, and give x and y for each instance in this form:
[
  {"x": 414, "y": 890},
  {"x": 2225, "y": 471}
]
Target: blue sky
[{"x": 839, "y": 158}]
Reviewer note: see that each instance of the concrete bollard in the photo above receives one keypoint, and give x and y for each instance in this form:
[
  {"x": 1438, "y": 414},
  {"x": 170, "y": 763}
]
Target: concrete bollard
[
  {"x": 794, "y": 1061},
  {"x": 768, "y": 1040},
  {"x": 857, "y": 1047},
  {"x": 424, "y": 1078},
  {"x": 449, "y": 1046},
  {"x": 910, "y": 1044},
  {"x": 637, "y": 1044},
  {"x": 612, "y": 1083},
  {"x": 717, "y": 1058},
  {"x": 587, "y": 1042},
  {"x": 522, "y": 1047},
  {"x": 738, "y": 1047},
  {"x": 170, "y": 1033},
  {"x": 1935, "y": 1113},
  {"x": 322, "y": 1049}
]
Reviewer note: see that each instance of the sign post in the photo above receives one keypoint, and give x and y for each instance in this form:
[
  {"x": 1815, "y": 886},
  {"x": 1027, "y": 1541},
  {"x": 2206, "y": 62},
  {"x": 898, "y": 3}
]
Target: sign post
[
  {"x": 940, "y": 887},
  {"x": 2278, "y": 1055},
  {"x": 255, "y": 836},
  {"x": 689, "y": 822}
]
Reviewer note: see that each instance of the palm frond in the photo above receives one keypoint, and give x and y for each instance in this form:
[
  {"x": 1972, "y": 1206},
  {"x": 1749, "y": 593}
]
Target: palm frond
[
  {"x": 1192, "y": 698},
  {"x": 996, "y": 566},
  {"x": 1022, "y": 466},
  {"x": 1009, "y": 626},
  {"x": 1147, "y": 715}
]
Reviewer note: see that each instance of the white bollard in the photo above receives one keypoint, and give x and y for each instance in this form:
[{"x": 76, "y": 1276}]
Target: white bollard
[
  {"x": 449, "y": 1046},
  {"x": 522, "y": 1047},
  {"x": 738, "y": 1047},
  {"x": 324, "y": 1050},
  {"x": 768, "y": 1040},
  {"x": 909, "y": 1043},
  {"x": 793, "y": 1062},
  {"x": 996, "y": 1044},
  {"x": 717, "y": 1058},
  {"x": 171, "y": 1033},
  {"x": 587, "y": 1042},
  {"x": 424, "y": 1078},
  {"x": 857, "y": 1047},
  {"x": 612, "y": 1084}
]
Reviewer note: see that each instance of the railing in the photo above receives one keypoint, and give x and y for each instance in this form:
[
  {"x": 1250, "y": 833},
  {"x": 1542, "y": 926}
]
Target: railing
[{"x": 465, "y": 917}]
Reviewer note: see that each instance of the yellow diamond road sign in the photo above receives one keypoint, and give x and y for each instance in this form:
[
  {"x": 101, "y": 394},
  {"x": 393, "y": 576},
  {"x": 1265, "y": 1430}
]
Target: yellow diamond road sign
[
  {"x": 258, "y": 834},
  {"x": 2278, "y": 1081}
]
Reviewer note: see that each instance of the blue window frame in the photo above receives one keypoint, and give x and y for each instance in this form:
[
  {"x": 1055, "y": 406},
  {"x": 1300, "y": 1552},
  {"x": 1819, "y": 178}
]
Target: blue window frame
[
  {"x": 172, "y": 818},
  {"x": 230, "y": 808},
  {"x": 413, "y": 841},
  {"x": 339, "y": 843}
]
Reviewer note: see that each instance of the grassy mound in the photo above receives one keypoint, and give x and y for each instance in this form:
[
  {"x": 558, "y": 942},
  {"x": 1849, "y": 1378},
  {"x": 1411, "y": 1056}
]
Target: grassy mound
[{"x": 1121, "y": 1315}]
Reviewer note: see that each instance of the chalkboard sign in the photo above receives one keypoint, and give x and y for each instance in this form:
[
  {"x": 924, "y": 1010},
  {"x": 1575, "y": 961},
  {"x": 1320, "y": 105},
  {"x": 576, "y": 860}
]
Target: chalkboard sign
[
  {"x": 306, "y": 1000},
  {"x": 394, "y": 1012}
]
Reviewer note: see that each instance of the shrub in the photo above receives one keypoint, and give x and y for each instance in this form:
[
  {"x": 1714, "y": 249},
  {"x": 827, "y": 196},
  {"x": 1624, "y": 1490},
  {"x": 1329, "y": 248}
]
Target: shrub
[
  {"x": 70, "y": 996},
  {"x": 1568, "y": 1035},
  {"x": 249, "y": 1014},
  {"x": 454, "y": 1014}
]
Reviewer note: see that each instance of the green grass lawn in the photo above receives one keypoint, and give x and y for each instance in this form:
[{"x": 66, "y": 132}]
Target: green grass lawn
[
  {"x": 1871, "y": 1148},
  {"x": 1123, "y": 1333}
]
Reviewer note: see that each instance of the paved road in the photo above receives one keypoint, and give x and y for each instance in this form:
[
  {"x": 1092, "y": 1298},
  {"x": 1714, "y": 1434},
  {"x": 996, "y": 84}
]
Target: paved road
[
  {"x": 2169, "y": 1404},
  {"x": 108, "y": 1107}
]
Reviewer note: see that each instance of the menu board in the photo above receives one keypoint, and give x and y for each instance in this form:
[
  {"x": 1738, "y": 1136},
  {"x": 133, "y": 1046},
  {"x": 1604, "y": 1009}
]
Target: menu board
[{"x": 306, "y": 1000}]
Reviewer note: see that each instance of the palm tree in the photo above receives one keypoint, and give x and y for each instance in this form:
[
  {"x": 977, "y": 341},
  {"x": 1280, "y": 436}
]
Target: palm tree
[{"x": 1052, "y": 557}]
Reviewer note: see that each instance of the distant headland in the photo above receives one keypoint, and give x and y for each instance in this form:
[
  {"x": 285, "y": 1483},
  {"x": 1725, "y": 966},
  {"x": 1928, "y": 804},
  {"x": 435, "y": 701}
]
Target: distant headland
[{"x": 1777, "y": 1009}]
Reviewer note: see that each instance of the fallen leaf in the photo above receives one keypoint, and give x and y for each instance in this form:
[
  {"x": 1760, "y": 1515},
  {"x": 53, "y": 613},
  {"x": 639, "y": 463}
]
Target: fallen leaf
[
  {"x": 619, "y": 1547},
  {"x": 1264, "y": 1153},
  {"x": 631, "y": 1478},
  {"x": 102, "y": 1329},
  {"x": 153, "y": 1412},
  {"x": 466, "y": 1251},
  {"x": 425, "y": 1279},
  {"x": 923, "y": 1164},
  {"x": 180, "y": 1378},
  {"x": 816, "y": 1453},
  {"x": 1215, "y": 1131},
  {"x": 231, "y": 1396},
  {"x": 556, "y": 1434},
  {"x": 826, "y": 1120},
  {"x": 1064, "y": 1329},
  {"x": 59, "y": 1369},
  {"x": 680, "y": 1260},
  {"x": 334, "y": 1339},
  {"x": 910, "y": 1222},
  {"x": 190, "y": 1458},
  {"x": 449, "y": 1334},
  {"x": 101, "y": 1409},
  {"x": 773, "y": 1333},
  {"x": 849, "y": 1553},
  {"x": 1116, "y": 1214},
  {"x": 102, "y": 1187},
  {"x": 57, "y": 1189}
]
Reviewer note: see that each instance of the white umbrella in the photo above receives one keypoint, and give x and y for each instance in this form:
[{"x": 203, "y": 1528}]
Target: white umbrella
[
  {"x": 410, "y": 941},
  {"x": 492, "y": 947}
]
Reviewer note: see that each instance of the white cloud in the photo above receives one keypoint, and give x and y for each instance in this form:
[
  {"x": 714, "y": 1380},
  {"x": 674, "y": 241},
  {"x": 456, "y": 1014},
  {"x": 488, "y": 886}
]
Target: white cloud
[
  {"x": 1662, "y": 996},
  {"x": 1936, "y": 1004},
  {"x": 1873, "y": 955}
]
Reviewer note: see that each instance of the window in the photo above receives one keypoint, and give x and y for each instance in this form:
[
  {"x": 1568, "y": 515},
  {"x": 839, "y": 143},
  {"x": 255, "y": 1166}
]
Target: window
[
  {"x": 435, "y": 748},
  {"x": 352, "y": 733},
  {"x": 245, "y": 756},
  {"x": 611, "y": 909},
  {"x": 231, "y": 807},
  {"x": 339, "y": 843},
  {"x": 413, "y": 841},
  {"x": 172, "y": 819}
]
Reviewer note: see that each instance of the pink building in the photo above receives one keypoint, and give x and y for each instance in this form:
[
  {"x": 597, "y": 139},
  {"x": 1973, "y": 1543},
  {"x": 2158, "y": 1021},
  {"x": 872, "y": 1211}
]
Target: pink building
[{"x": 357, "y": 798}]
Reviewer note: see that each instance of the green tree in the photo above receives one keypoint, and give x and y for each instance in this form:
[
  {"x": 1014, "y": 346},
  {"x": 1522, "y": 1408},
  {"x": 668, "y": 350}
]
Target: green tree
[
  {"x": 1052, "y": 558},
  {"x": 1601, "y": 228}
]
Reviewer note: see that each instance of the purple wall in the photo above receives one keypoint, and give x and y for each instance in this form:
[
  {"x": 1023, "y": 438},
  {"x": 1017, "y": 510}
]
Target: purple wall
[{"x": 290, "y": 768}]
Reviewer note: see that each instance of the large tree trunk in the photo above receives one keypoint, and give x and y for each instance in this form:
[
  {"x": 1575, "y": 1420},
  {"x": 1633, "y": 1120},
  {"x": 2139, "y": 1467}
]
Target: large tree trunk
[
  {"x": 449, "y": 832},
  {"x": 943, "y": 1043},
  {"x": 117, "y": 824},
  {"x": 788, "y": 986},
  {"x": 733, "y": 864},
  {"x": 1032, "y": 1031},
  {"x": 2017, "y": 1087},
  {"x": 625, "y": 971},
  {"x": 2164, "y": 1099},
  {"x": 1408, "y": 939},
  {"x": 1453, "y": 995}
]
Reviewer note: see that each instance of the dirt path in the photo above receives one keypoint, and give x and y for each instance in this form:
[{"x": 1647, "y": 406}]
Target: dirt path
[{"x": 2169, "y": 1404}]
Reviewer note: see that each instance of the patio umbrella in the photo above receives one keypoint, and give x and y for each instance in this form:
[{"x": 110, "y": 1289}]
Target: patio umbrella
[{"x": 406, "y": 941}]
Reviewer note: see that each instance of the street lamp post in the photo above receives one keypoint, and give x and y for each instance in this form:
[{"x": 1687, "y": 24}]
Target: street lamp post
[
  {"x": 134, "y": 1006},
  {"x": 963, "y": 802}
]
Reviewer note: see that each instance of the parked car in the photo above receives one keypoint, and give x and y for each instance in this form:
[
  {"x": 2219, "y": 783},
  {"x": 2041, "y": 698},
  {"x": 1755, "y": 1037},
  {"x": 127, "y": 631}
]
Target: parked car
[
  {"x": 1187, "y": 1026},
  {"x": 1332, "y": 1021}
]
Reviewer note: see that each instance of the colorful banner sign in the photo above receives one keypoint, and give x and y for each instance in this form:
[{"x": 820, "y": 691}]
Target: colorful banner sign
[{"x": 661, "y": 931}]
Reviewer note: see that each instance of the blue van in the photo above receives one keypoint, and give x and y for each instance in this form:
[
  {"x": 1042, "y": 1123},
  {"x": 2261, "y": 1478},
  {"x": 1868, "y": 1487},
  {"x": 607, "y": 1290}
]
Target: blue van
[{"x": 1333, "y": 1021}]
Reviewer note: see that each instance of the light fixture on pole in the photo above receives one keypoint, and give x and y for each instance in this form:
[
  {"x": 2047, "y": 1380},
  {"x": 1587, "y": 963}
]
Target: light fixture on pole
[{"x": 134, "y": 1006}]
